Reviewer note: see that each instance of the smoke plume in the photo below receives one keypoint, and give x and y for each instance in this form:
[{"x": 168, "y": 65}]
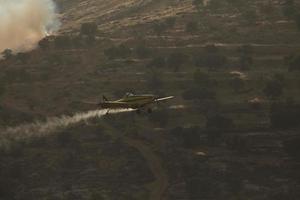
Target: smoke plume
[{"x": 24, "y": 22}]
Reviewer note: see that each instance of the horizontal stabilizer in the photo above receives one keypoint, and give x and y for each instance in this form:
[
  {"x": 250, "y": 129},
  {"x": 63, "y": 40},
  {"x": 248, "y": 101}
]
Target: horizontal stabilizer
[{"x": 164, "y": 98}]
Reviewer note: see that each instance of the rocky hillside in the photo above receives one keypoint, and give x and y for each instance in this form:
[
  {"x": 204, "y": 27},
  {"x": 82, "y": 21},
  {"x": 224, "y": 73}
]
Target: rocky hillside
[{"x": 231, "y": 132}]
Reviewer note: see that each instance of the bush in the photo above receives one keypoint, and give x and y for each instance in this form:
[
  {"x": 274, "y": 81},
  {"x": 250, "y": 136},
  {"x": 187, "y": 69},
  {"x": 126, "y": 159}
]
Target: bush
[
  {"x": 211, "y": 58},
  {"x": 62, "y": 42},
  {"x": 293, "y": 62},
  {"x": 142, "y": 51},
  {"x": 154, "y": 80},
  {"x": 202, "y": 78},
  {"x": 191, "y": 27},
  {"x": 176, "y": 60},
  {"x": 297, "y": 20},
  {"x": 245, "y": 56},
  {"x": 157, "y": 62},
  {"x": 289, "y": 9},
  {"x": 7, "y": 53},
  {"x": 250, "y": 16},
  {"x": 121, "y": 51},
  {"x": 292, "y": 147},
  {"x": 237, "y": 84},
  {"x": 170, "y": 22},
  {"x": 161, "y": 117},
  {"x": 273, "y": 89},
  {"x": 198, "y": 3},
  {"x": 285, "y": 115},
  {"x": 219, "y": 122},
  {"x": 23, "y": 57},
  {"x": 89, "y": 29}
]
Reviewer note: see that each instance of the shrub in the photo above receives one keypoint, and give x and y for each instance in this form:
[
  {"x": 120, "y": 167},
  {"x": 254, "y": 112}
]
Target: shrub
[
  {"x": 293, "y": 62},
  {"x": 297, "y": 20},
  {"x": 157, "y": 62},
  {"x": 62, "y": 42},
  {"x": 273, "y": 89},
  {"x": 142, "y": 51},
  {"x": 237, "y": 84},
  {"x": 89, "y": 29},
  {"x": 292, "y": 147},
  {"x": 176, "y": 60},
  {"x": 285, "y": 115},
  {"x": 219, "y": 122},
  {"x": 191, "y": 27},
  {"x": 250, "y": 16},
  {"x": 121, "y": 51},
  {"x": 7, "y": 53},
  {"x": 245, "y": 56},
  {"x": 289, "y": 9},
  {"x": 23, "y": 57},
  {"x": 170, "y": 22},
  {"x": 154, "y": 80},
  {"x": 159, "y": 28},
  {"x": 161, "y": 117},
  {"x": 211, "y": 58}
]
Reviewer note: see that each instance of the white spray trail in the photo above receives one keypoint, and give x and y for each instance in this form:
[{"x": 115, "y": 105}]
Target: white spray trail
[{"x": 38, "y": 129}]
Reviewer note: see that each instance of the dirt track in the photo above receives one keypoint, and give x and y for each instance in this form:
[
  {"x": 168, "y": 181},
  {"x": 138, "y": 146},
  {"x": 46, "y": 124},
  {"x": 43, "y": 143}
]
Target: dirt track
[{"x": 160, "y": 185}]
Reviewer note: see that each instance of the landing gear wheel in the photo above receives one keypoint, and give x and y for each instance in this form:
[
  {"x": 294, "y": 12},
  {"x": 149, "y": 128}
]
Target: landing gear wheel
[{"x": 149, "y": 110}]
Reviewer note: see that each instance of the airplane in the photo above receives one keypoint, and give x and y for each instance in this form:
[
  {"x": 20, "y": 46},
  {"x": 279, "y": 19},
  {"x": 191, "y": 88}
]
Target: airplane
[{"x": 131, "y": 101}]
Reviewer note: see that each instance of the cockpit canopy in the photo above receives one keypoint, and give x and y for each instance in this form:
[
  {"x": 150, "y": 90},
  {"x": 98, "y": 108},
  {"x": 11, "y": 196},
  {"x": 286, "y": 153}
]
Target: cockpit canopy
[{"x": 128, "y": 94}]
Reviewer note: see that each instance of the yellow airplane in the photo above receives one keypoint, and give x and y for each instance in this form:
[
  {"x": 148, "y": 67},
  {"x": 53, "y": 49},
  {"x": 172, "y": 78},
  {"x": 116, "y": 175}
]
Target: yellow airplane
[{"x": 132, "y": 101}]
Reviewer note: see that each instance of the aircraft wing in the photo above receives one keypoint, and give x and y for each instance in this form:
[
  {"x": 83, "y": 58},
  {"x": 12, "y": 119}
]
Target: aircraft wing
[{"x": 163, "y": 99}]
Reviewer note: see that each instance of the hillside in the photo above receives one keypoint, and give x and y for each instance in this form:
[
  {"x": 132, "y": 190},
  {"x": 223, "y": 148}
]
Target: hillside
[{"x": 231, "y": 132}]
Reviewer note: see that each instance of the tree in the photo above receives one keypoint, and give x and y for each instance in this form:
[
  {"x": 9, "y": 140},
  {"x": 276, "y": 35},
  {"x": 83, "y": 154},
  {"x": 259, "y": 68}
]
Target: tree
[
  {"x": 285, "y": 115},
  {"x": 121, "y": 51},
  {"x": 293, "y": 62},
  {"x": 157, "y": 62},
  {"x": 198, "y": 4},
  {"x": 211, "y": 58},
  {"x": 23, "y": 57},
  {"x": 191, "y": 27},
  {"x": 44, "y": 43},
  {"x": 62, "y": 42},
  {"x": 175, "y": 60},
  {"x": 202, "y": 78},
  {"x": 7, "y": 53},
  {"x": 245, "y": 56},
  {"x": 142, "y": 51},
  {"x": 237, "y": 84},
  {"x": 219, "y": 122},
  {"x": 161, "y": 117},
  {"x": 273, "y": 89},
  {"x": 89, "y": 29},
  {"x": 159, "y": 28},
  {"x": 170, "y": 22},
  {"x": 297, "y": 20},
  {"x": 292, "y": 147},
  {"x": 250, "y": 16},
  {"x": 289, "y": 9},
  {"x": 154, "y": 80}
]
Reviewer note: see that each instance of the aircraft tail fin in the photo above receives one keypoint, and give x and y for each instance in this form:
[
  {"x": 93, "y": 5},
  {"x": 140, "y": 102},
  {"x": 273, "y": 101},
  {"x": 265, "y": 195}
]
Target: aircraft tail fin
[{"x": 104, "y": 98}]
